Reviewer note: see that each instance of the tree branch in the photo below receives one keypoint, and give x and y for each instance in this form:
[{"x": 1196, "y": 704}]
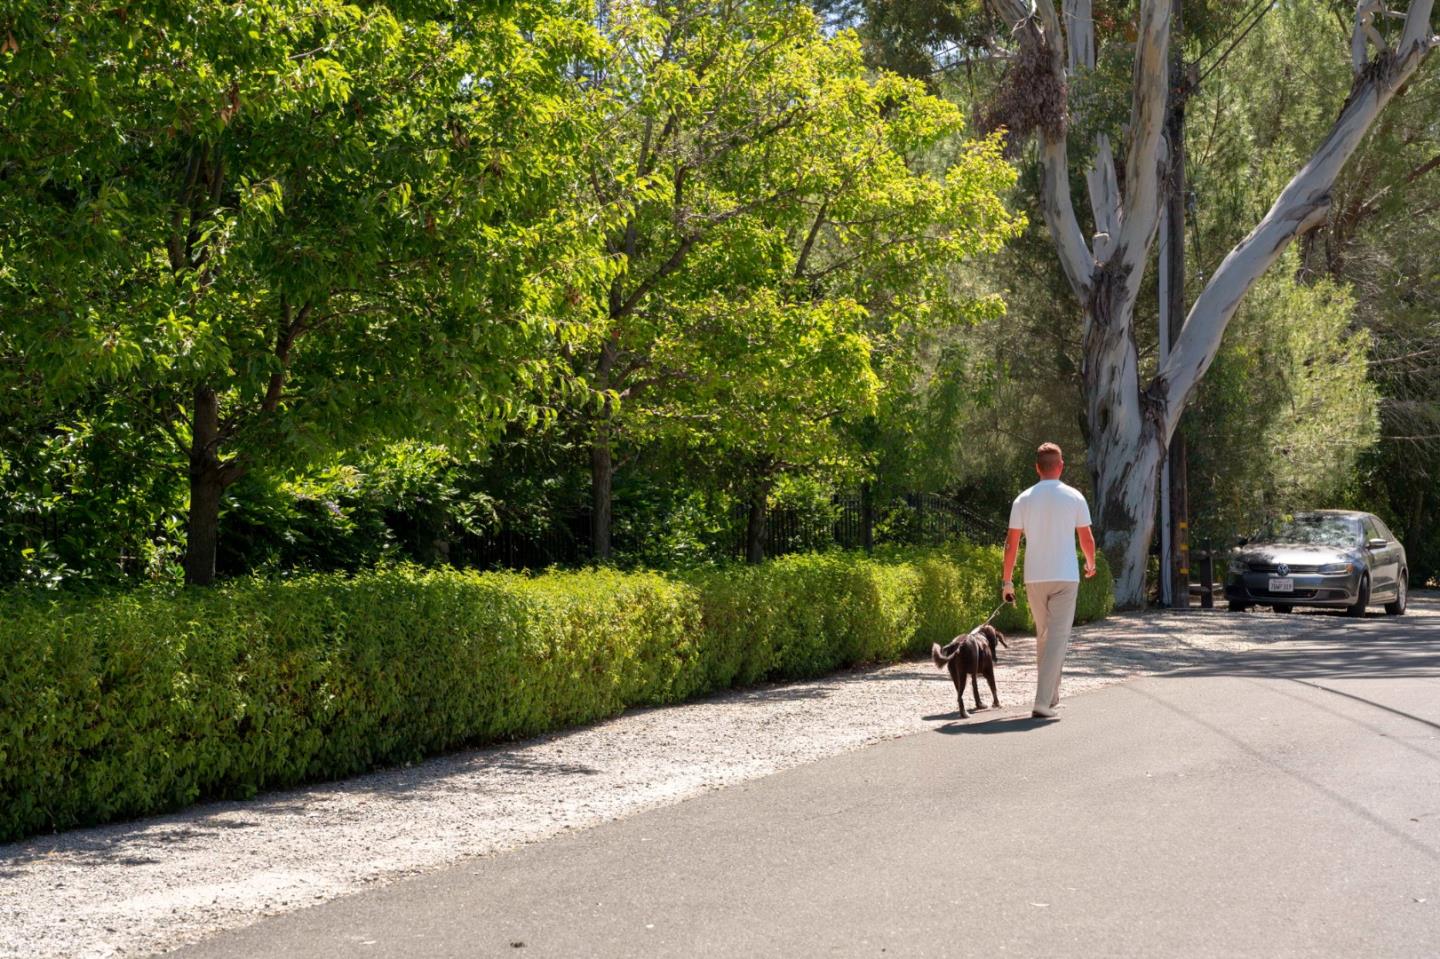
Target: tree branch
[
  {"x": 1365, "y": 12},
  {"x": 292, "y": 325},
  {"x": 1303, "y": 202},
  {"x": 1075, "y": 256},
  {"x": 1100, "y": 179},
  {"x": 1140, "y": 216},
  {"x": 622, "y": 307},
  {"x": 1370, "y": 205},
  {"x": 810, "y": 238},
  {"x": 1040, "y": 34}
]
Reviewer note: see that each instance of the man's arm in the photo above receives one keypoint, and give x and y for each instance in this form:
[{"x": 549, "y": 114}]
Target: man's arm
[
  {"x": 1012, "y": 549},
  {"x": 1087, "y": 546}
]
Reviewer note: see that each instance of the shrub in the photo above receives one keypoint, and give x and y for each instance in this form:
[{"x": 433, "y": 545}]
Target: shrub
[{"x": 129, "y": 703}]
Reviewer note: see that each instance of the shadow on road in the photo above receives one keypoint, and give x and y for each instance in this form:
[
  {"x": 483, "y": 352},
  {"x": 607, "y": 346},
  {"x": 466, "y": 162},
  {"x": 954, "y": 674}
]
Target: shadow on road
[{"x": 1007, "y": 724}]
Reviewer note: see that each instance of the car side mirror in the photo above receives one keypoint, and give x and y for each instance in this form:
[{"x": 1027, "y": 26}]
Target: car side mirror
[{"x": 1377, "y": 543}]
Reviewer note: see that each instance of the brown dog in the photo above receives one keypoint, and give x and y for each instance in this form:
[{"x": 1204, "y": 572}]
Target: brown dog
[{"x": 970, "y": 656}]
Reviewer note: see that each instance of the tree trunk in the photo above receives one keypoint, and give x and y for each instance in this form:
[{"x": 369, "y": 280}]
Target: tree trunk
[
  {"x": 1417, "y": 516},
  {"x": 207, "y": 486},
  {"x": 1125, "y": 448},
  {"x": 1125, "y": 498},
  {"x": 602, "y": 475},
  {"x": 755, "y": 524}
]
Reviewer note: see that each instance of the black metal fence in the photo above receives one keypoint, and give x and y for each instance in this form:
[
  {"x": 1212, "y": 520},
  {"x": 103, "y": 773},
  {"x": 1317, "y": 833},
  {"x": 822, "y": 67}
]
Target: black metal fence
[
  {"x": 913, "y": 519},
  {"x": 560, "y": 545}
]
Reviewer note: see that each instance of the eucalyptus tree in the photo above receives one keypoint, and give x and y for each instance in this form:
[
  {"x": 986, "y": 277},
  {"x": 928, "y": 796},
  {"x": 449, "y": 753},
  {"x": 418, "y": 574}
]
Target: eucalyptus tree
[
  {"x": 1129, "y": 422},
  {"x": 764, "y": 172},
  {"x": 283, "y": 227}
]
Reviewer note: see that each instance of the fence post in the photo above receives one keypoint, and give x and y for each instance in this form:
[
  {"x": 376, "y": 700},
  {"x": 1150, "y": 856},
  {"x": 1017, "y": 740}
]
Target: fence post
[{"x": 867, "y": 517}]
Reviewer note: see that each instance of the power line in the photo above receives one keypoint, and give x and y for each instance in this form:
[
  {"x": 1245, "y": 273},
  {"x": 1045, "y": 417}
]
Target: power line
[
  {"x": 1267, "y": 7},
  {"x": 1233, "y": 27}
]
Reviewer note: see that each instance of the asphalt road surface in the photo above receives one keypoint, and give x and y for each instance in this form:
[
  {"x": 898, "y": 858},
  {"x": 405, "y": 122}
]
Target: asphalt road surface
[{"x": 1283, "y": 803}]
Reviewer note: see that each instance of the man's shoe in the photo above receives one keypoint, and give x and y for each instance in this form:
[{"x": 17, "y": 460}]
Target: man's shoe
[{"x": 1040, "y": 712}]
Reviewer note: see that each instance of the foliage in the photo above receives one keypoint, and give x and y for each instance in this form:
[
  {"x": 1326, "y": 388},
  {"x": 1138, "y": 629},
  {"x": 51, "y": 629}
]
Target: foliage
[
  {"x": 1285, "y": 413},
  {"x": 460, "y": 241},
  {"x": 342, "y": 222},
  {"x": 86, "y": 496},
  {"x": 352, "y": 225},
  {"x": 133, "y": 702},
  {"x": 1372, "y": 246},
  {"x": 403, "y": 501},
  {"x": 785, "y": 222}
]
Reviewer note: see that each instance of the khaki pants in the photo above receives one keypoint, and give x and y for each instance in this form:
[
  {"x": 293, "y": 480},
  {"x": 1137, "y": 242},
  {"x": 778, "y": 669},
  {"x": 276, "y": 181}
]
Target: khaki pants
[{"x": 1052, "y": 604}]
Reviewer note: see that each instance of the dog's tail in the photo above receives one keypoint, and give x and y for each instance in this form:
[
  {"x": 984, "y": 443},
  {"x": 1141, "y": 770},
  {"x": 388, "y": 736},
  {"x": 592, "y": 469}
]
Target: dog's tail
[{"x": 943, "y": 656}]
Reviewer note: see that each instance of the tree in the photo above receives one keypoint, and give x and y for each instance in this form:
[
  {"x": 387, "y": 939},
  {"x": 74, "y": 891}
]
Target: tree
[
  {"x": 770, "y": 397},
  {"x": 1129, "y": 423},
  {"x": 1285, "y": 411},
  {"x": 759, "y": 164},
  {"x": 279, "y": 228}
]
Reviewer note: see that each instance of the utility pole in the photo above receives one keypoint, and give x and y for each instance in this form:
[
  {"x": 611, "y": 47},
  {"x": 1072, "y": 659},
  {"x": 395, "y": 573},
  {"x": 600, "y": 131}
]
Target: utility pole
[{"x": 1174, "y": 499}]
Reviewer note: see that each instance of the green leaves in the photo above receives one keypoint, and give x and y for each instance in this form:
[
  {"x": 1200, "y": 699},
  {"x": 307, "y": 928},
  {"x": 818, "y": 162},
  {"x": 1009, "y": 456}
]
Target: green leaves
[
  {"x": 782, "y": 224},
  {"x": 350, "y": 222},
  {"x": 1287, "y": 409},
  {"x": 429, "y": 220}
]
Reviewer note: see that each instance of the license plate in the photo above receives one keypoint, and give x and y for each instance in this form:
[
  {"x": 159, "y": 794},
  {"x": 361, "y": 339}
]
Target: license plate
[{"x": 1280, "y": 584}]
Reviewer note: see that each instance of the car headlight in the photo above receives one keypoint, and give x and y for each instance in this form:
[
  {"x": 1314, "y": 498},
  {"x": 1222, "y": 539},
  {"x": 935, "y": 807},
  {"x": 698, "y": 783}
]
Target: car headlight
[
  {"x": 1237, "y": 566},
  {"x": 1336, "y": 569}
]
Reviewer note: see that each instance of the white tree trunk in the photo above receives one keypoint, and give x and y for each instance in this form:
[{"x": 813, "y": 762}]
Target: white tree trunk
[{"x": 1129, "y": 425}]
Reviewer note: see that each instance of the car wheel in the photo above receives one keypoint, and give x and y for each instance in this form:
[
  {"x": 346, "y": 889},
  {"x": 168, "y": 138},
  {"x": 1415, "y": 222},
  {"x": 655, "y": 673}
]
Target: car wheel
[
  {"x": 1238, "y": 607},
  {"x": 1362, "y": 599},
  {"x": 1282, "y": 607},
  {"x": 1397, "y": 608}
]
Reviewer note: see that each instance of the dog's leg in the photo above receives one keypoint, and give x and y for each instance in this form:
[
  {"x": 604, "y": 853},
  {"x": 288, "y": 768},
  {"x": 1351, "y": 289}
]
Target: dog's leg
[
  {"x": 990, "y": 678},
  {"x": 958, "y": 678},
  {"x": 975, "y": 688}
]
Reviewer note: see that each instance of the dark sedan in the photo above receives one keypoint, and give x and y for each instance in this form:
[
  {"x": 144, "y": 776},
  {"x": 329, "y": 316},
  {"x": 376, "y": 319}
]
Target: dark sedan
[{"x": 1327, "y": 558}]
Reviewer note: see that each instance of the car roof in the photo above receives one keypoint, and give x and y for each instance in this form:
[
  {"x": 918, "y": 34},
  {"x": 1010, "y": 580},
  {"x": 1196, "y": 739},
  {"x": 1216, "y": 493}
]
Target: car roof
[{"x": 1346, "y": 513}]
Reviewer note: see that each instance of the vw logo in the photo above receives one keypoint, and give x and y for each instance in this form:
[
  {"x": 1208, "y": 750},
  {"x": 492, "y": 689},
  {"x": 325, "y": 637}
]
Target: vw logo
[{"x": 1283, "y": 570}]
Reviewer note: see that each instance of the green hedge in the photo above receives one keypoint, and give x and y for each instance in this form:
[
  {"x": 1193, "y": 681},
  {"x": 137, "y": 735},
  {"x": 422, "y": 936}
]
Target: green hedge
[{"x": 132, "y": 703}]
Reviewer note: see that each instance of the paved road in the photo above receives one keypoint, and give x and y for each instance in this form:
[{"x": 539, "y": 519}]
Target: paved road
[{"x": 1283, "y": 804}]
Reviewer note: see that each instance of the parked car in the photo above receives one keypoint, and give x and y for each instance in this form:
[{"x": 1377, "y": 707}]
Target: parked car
[{"x": 1330, "y": 558}]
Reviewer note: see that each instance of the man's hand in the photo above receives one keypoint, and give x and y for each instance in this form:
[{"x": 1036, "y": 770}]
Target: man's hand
[
  {"x": 1087, "y": 546},
  {"x": 1012, "y": 549}
]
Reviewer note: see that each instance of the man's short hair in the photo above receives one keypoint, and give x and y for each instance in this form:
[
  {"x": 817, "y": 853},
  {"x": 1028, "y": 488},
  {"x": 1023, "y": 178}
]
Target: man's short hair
[{"x": 1048, "y": 457}]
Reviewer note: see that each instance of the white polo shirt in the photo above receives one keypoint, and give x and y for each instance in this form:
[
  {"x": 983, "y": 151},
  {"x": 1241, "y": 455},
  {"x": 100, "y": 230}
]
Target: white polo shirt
[{"x": 1049, "y": 513}]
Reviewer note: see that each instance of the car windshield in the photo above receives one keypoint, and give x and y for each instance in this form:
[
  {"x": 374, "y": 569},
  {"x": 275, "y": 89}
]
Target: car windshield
[{"x": 1313, "y": 531}]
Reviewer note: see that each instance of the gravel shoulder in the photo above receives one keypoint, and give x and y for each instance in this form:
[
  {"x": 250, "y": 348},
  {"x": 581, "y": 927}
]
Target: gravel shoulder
[{"x": 144, "y": 887}]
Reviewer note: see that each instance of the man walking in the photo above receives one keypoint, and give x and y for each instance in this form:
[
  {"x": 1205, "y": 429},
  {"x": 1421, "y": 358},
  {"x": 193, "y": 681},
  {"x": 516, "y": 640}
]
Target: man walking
[{"x": 1049, "y": 515}]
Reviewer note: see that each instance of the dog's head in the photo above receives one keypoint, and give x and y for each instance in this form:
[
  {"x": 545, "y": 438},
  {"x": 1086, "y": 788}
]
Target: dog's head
[{"x": 992, "y": 636}]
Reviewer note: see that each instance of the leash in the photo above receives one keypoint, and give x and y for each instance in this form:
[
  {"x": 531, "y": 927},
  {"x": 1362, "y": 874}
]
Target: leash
[{"x": 993, "y": 614}]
